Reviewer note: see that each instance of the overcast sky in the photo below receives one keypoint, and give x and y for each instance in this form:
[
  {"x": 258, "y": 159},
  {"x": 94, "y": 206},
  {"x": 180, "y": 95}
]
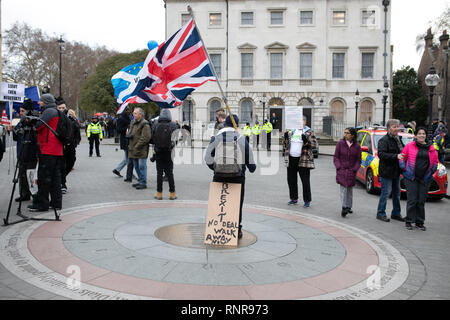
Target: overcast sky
[{"x": 128, "y": 25}]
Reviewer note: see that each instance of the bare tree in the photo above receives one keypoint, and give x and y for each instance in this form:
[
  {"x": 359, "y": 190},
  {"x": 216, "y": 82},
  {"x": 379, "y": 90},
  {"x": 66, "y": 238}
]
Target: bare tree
[
  {"x": 32, "y": 57},
  {"x": 437, "y": 27}
]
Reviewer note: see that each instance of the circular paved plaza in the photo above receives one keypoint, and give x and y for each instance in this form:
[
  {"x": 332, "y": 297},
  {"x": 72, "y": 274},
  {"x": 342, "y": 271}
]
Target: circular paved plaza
[{"x": 154, "y": 250}]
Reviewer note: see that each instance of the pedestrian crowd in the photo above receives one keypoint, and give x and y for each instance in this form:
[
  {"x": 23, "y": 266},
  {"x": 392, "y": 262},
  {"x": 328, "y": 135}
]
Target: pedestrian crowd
[{"x": 228, "y": 154}]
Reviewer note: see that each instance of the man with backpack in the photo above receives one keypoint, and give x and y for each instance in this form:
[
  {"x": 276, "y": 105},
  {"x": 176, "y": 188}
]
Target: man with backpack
[
  {"x": 228, "y": 155},
  {"x": 50, "y": 157},
  {"x": 164, "y": 141}
]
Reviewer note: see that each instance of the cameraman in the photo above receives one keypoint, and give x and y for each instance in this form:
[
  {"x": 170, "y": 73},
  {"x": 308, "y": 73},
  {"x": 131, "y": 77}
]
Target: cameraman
[
  {"x": 50, "y": 157},
  {"x": 27, "y": 148}
]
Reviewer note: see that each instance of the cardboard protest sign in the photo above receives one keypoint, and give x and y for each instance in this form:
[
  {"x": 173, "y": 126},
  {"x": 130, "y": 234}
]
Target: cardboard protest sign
[{"x": 222, "y": 222}]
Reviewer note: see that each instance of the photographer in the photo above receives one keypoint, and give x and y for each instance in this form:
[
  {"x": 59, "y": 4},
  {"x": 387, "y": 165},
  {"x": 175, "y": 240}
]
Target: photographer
[
  {"x": 27, "y": 148},
  {"x": 50, "y": 157}
]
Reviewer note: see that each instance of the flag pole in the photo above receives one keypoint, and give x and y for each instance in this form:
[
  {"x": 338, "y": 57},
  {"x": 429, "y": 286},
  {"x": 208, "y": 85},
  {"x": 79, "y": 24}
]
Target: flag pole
[{"x": 191, "y": 12}]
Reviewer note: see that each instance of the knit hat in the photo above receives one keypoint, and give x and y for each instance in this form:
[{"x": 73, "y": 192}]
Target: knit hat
[
  {"x": 28, "y": 105},
  {"x": 229, "y": 123},
  {"x": 47, "y": 99}
]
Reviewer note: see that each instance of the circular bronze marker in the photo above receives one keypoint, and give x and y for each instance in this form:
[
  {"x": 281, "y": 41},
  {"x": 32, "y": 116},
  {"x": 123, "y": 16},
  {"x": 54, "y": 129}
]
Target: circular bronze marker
[{"x": 192, "y": 235}]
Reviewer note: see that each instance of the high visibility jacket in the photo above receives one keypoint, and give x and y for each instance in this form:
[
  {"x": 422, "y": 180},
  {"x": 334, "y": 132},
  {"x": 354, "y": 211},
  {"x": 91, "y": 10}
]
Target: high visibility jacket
[
  {"x": 256, "y": 129},
  {"x": 410, "y": 130},
  {"x": 247, "y": 131},
  {"x": 438, "y": 143},
  {"x": 94, "y": 128},
  {"x": 268, "y": 127}
]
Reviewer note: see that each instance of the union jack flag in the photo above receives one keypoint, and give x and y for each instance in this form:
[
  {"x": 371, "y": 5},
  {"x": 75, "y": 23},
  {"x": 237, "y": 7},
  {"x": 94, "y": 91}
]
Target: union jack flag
[{"x": 171, "y": 71}]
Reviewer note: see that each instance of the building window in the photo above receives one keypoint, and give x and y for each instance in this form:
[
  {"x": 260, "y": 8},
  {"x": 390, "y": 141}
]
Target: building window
[
  {"x": 216, "y": 59},
  {"x": 338, "y": 65},
  {"x": 368, "y": 18},
  {"x": 367, "y": 65},
  {"x": 365, "y": 113},
  {"x": 276, "y": 17},
  {"x": 276, "y": 66},
  {"x": 337, "y": 110},
  {"x": 185, "y": 17},
  {"x": 306, "y": 65},
  {"x": 246, "y": 111},
  {"x": 213, "y": 107},
  {"x": 339, "y": 18},
  {"x": 306, "y": 17},
  {"x": 247, "y": 18},
  {"x": 215, "y": 19},
  {"x": 188, "y": 111},
  {"x": 247, "y": 65}
]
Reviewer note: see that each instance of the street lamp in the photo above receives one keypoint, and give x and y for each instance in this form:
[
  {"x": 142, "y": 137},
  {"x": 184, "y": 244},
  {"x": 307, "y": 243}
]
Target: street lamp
[
  {"x": 60, "y": 42},
  {"x": 386, "y": 85},
  {"x": 357, "y": 100},
  {"x": 385, "y": 92},
  {"x": 264, "y": 106},
  {"x": 431, "y": 80}
]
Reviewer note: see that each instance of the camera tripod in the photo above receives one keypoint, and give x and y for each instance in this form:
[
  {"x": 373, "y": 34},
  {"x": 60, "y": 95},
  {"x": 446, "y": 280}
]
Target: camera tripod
[{"x": 16, "y": 180}]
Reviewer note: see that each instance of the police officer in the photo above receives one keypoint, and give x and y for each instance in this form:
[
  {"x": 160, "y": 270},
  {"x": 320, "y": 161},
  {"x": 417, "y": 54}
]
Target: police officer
[
  {"x": 267, "y": 127},
  {"x": 256, "y": 130},
  {"x": 247, "y": 132},
  {"x": 95, "y": 135}
]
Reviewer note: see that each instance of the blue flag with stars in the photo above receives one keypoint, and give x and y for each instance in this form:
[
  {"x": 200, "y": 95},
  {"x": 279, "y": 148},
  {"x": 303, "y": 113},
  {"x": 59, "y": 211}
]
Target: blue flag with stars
[
  {"x": 124, "y": 82},
  {"x": 31, "y": 93}
]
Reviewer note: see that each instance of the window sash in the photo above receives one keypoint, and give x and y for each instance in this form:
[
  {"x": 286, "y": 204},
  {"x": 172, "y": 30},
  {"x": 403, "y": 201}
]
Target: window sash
[
  {"x": 306, "y": 17},
  {"x": 367, "y": 65},
  {"x": 337, "y": 111},
  {"x": 213, "y": 107},
  {"x": 338, "y": 65},
  {"x": 246, "y": 111},
  {"x": 216, "y": 60},
  {"x": 215, "y": 19},
  {"x": 368, "y": 17},
  {"x": 276, "y": 65},
  {"x": 339, "y": 17},
  {"x": 247, "y": 18},
  {"x": 185, "y": 18},
  {"x": 276, "y": 17},
  {"x": 247, "y": 65},
  {"x": 306, "y": 65}
]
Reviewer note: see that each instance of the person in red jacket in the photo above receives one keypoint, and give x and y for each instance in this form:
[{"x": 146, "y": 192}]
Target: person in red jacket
[
  {"x": 347, "y": 160},
  {"x": 50, "y": 157}
]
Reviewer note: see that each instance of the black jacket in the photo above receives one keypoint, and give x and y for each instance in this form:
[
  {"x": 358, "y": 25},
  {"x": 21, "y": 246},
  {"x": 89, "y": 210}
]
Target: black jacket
[
  {"x": 388, "y": 151},
  {"x": 122, "y": 125}
]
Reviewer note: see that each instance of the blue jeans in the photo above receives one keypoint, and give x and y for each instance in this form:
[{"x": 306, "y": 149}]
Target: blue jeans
[
  {"x": 386, "y": 186},
  {"x": 141, "y": 169},
  {"x": 124, "y": 161}
]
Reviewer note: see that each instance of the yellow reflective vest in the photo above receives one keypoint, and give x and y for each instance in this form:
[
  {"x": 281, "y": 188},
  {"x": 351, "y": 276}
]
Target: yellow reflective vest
[
  {"x": 256, "y": 129},
  {"x": 94, "y": 128},
  {"x": 268, "y": 127},
  {"x": 437, "y": 144},
  {"x": 247, "y": 131}
]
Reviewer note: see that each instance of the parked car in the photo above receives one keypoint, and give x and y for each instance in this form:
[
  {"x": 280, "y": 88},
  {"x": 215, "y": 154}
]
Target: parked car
[{"x": 368, "y": 172}]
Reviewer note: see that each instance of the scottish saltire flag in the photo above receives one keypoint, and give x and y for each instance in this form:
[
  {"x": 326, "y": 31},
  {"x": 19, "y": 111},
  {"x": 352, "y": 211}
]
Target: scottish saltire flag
[
  {"x": 172, "y": 71},
  {"x": 125, "y": 82}
]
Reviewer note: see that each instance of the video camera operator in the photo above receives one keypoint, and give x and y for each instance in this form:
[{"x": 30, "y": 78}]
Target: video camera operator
[
  {"x": 27, "y": 148},
  {"x": 50, "y": 157}
]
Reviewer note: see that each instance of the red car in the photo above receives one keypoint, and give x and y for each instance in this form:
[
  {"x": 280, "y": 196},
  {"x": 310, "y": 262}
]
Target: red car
[{"x": 368, "y": 172}]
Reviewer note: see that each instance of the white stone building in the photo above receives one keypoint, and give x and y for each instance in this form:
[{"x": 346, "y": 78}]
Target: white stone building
[{"x": 314, "y": 53}]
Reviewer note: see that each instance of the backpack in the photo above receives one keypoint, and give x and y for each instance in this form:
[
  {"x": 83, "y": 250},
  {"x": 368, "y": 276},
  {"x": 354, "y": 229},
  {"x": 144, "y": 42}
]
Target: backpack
[
  {"x": 163, "y": 136},
  {"x": 64, "y": 129},
  {"x": 227, "y": 159}
]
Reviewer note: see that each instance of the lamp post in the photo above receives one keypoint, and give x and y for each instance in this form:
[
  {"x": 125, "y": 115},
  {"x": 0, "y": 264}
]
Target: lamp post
[
  {"x": 264, "y": 106},
  {"x": 60, "y": 42},
  {"x": 386, "y": 85},
  {"x": 386, "y": 92},
  {"x": 357, "y": 100},
  {"x": 431, "y": 80}
]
